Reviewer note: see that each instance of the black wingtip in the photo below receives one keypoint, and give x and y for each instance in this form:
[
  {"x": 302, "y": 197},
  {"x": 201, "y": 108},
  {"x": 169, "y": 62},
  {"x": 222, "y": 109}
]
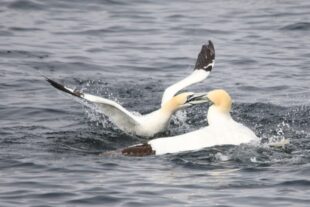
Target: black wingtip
[
  {"x": 55, "y": 84},
  {"x": 206, "y": 57},
  {"x": 63, "y": 88}
]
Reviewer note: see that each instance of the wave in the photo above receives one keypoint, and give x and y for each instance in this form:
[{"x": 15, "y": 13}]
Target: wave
[{"x": 299, "y": 26}]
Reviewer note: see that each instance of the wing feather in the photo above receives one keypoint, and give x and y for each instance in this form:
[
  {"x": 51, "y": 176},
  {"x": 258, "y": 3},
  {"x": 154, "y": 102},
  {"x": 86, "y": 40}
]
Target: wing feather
[
  {"x": 203, "y": 67},
  {"x": 116, "y": 113}
]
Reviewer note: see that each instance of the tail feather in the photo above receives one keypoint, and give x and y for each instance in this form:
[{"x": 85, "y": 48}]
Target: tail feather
[
  {"x": 139, "y": 150},
  {"x": 206, "y": 57}
]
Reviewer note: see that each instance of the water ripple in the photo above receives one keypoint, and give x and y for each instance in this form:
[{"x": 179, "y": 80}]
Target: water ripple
[{"x": 58, "y": 151}]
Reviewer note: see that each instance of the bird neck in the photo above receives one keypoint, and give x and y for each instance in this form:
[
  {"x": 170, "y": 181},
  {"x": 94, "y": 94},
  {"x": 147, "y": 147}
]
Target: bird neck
[
  {"x": 170, "y": 107},
  {"x": 217, "y": 116}
]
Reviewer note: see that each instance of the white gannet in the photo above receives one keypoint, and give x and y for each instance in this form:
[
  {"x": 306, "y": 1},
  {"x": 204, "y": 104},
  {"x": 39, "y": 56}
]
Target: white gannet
[
  {"x": 150, "y": 124},
  {"x": 222, "y": 130}
]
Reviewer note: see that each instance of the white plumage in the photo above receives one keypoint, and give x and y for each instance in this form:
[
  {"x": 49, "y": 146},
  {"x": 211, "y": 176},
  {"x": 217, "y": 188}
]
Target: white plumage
[
  {"x": 222, "y": 130},
  {"x": 195, "y": 77},
  {"x": 150, "y": 124}
]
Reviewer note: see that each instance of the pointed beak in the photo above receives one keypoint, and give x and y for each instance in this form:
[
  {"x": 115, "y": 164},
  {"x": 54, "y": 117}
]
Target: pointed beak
[{"x": 198, "y": 98}]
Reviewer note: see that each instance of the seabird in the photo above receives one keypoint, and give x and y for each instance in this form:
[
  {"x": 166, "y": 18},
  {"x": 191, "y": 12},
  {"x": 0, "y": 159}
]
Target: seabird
[
  {"x": 150, "y": 124},
  {"x": 222, "y": 130}
]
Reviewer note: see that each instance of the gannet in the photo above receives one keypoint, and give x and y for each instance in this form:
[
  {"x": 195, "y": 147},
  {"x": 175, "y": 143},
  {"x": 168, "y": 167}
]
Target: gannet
[
  {"x": 222, "y": 130},
  {"x": 150, "y": 124}
]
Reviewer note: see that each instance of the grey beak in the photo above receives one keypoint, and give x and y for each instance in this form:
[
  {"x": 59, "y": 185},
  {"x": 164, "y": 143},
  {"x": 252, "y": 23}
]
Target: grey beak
[{"x": 198, "y": 98}]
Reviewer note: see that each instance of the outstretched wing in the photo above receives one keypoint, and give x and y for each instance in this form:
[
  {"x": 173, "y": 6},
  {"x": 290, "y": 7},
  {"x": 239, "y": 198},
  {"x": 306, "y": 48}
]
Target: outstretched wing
[
  {"x": 203, "y": 67},
  {"x": 116, "y": 113}
]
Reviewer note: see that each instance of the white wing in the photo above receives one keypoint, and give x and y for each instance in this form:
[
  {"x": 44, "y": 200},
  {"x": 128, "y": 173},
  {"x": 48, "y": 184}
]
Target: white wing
[
  {"x": 116, "y": 113},
  {"x": 194, "y": 77},
  {"x": 195, "y": 140},
  {"x": 203, "y": 67}
]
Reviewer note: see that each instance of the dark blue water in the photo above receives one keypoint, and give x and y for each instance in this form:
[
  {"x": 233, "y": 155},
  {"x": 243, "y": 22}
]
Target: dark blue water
[{"x": 130, "y": 51}]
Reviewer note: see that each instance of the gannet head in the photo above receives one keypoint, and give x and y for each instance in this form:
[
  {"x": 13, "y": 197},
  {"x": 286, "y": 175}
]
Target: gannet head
[
  {"x": 219, "y": 98},
  {"x": 179, "y": 101}
]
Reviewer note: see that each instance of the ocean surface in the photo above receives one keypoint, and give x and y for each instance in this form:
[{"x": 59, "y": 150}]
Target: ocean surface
[{"x": 130, "y": 51}]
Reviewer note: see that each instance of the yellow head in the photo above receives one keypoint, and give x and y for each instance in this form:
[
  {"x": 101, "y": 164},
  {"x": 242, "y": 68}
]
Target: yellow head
[
  {"x": 220, "y": 99},
  {"x": 177, "y": 102}
]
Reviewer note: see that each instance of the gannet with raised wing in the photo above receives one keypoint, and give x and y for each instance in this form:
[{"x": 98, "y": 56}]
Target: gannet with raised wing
[
  {"x": 222, "y": 130},
  {"x": 204, "y": 64},
  {"x": 150, "y": 124}
]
